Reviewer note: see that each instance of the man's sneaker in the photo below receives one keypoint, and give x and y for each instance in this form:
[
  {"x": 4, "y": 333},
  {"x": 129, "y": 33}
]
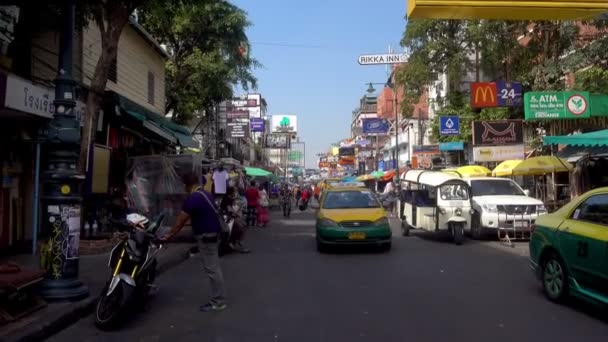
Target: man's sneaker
[{"x": 213, "y": 307}]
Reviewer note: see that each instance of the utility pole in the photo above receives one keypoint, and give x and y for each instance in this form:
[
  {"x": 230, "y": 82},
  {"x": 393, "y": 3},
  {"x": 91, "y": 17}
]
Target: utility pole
[{"x": 62, "y": 184}]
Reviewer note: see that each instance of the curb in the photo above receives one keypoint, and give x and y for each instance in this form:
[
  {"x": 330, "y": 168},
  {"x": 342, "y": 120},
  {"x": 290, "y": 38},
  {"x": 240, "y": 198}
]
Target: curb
[{"x": 38, "y": 331}]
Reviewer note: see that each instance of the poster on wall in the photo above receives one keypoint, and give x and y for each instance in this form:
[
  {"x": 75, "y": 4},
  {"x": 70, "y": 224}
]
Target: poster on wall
[{"x": 59, "y": 257}]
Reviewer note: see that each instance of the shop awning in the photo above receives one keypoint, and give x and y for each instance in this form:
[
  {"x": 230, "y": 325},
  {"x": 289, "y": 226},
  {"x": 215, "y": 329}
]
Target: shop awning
[
  {"x": 597, "y": 138},
  {"x": 574, "y": 153},
  {"x": 156, "y": 123}
]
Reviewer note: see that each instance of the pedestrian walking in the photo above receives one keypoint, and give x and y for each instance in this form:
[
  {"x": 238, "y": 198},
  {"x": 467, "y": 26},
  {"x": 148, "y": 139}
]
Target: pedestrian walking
[
  {"x": 253, "y": 201},
  {"x": 220, "y": 181},
  {"x": 263, "y": 215},
  {"x": 232, "y": 207},
  {"x": 200, "y": 210}
]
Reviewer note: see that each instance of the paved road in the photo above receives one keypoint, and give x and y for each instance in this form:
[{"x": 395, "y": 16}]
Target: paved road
[{"x": 423, "y": 290}]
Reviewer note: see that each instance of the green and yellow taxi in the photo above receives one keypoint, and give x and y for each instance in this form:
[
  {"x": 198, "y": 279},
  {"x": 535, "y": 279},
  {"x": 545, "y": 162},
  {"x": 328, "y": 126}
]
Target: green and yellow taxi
[
  {"x": 351, "y": 214},
  {"x": 569, "y": 249}
]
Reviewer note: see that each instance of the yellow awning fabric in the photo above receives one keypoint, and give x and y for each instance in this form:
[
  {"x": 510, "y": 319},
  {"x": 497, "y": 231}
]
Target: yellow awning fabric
[
  {"x": 508, "y": 10},
  {"x": 534, "y": 166},
  {"x": 471, "y": 171}
]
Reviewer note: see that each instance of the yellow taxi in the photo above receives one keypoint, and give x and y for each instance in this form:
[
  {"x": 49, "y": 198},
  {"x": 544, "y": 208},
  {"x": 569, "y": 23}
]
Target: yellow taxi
[{"x": 350, "y": 214}]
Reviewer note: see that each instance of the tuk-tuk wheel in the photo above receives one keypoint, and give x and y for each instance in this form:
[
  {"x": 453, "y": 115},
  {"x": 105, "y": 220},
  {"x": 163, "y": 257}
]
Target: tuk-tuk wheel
[
  {"x": 405, "y": 228},
  {"x": 458, "y": 233}
]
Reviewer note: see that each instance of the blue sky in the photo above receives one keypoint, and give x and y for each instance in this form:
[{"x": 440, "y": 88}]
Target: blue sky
[{"x": 309, "y": 50}]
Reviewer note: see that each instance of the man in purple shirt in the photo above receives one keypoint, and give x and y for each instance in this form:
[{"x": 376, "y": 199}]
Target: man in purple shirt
[{"x": 200, "y": 209}]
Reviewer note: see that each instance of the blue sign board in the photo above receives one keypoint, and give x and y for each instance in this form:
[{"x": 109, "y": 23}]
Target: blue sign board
[
  {"x": 509, "y": 94},
  {"x": 375, "y": 126},
  {"x": 451, "y": 146},
  {"x": 449, "y": 125},
  {"x": 257, "y": 125}
]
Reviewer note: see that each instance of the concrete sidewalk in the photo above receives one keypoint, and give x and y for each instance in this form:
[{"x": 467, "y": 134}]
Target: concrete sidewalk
[{"x": 94, "y": 273}]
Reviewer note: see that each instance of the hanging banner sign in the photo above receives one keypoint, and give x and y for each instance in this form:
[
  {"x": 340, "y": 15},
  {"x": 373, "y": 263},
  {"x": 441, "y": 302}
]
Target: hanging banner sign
[
  {"x": 237, "y": 128},
  {"x": 499, "y": 132},
  {"x": 449, "y": 125},
  {"x": 509, "y": 94},
  {"x": 375, "y": 126},
  {"x": 556, "y": 105},
  {"x": 496, "y": 94},
  {"x": 498, "y": 153},
  {"x": 387, "y": 58},
  {"x": 257, "y": 125}
]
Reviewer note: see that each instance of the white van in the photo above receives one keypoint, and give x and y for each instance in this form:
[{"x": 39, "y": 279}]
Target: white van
[{"x": 501, "y": 206}]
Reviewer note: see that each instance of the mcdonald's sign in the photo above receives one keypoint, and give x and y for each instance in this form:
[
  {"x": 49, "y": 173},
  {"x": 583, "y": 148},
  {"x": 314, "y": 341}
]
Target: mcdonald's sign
[{"x": 484, "y": 95}]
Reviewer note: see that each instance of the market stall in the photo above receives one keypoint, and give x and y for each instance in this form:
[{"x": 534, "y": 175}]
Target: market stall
[{"x": 590, "y": 153}]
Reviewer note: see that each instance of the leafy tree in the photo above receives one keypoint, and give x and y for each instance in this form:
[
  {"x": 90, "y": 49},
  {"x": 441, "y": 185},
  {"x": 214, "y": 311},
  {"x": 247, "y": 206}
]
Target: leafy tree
[
  {"x": 594, "y": 80},
  {"x": 111, "y": 17},
  {"x": 209, "y": 51}
]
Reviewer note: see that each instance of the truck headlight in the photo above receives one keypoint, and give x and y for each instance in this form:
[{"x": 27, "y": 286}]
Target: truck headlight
[
  {"x": 491, "y": 208},
  {"x": 541, "y": 209}
]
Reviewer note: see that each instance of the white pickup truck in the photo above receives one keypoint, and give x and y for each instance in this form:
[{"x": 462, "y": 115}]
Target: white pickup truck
[{"x": 501, "y": 203}]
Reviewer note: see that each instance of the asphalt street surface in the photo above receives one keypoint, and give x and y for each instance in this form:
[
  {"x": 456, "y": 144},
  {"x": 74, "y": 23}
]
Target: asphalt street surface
[{"x": 424, "y": 289}]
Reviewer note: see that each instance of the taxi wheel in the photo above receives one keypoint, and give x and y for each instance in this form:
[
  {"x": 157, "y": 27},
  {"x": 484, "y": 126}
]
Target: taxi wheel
[
  {"x": 405, "y": 228},
  {"x": 321, "y": 247},
  {"x": 554, "y": 278}
]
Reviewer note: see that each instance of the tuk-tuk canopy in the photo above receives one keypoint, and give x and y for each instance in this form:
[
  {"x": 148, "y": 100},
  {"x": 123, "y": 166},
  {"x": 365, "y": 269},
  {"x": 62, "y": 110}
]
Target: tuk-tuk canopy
[{"x": 431, "y": 178}]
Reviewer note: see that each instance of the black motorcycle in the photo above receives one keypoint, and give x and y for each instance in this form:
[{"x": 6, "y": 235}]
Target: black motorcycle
[{"x": 133, "y": 265}]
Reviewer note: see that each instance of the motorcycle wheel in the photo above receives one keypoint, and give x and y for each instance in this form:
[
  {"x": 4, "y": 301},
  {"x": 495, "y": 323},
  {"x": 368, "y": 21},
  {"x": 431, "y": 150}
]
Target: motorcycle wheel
[{"x": 109, "y": 309}]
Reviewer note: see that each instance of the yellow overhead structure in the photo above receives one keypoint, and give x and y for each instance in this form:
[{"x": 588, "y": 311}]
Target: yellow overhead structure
[{"x": 507, "y": 10}]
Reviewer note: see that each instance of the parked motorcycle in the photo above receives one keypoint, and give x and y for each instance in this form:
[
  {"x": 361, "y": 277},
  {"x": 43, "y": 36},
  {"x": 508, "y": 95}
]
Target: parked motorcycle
[{"x": 133, "y": 265}]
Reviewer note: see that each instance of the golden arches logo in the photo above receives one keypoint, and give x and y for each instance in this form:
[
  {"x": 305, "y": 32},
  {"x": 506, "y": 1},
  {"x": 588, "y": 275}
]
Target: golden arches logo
[{"x": 484, "y": 92}]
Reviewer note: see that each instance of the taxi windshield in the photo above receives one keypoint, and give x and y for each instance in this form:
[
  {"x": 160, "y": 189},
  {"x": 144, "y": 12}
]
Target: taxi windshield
[{"x": 350, "y": 200}]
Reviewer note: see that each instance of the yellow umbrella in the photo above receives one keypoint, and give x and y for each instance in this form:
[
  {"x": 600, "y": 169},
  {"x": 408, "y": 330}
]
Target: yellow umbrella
[
  {"x": 505, "y": 169},
  {"x": 542, "y": 165},
  {"x": 534, "y": 166},
  {"x": 473, "y": 171}
]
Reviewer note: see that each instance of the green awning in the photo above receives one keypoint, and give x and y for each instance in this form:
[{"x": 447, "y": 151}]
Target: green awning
[
  {"x": 597, "y": 138},
  {"x": 256, "y": 172},
  {"x": 157, "y": 123},
  {"x": 186, "y": 140}
]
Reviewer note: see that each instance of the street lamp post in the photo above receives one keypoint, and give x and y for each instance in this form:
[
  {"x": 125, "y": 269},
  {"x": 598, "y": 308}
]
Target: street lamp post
[{"x": 62, "y": 183}]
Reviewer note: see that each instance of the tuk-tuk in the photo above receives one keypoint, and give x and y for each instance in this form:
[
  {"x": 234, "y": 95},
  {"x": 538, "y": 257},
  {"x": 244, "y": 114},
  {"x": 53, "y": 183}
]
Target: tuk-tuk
[{"x": 436, "y": 202}]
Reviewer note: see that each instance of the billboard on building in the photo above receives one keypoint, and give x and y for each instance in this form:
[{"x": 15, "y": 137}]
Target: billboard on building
[
  {"x": 237, "y": 128},
  {"x": 499, "y": 132},
  {"x": 284, "y": 124},
  {"x": 375, "y": 126},
  {"x": 280, "y": 141}
]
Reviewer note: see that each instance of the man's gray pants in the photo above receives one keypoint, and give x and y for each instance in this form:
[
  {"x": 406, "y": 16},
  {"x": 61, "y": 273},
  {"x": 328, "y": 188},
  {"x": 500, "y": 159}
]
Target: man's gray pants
[{"x": 211, "y": 264}]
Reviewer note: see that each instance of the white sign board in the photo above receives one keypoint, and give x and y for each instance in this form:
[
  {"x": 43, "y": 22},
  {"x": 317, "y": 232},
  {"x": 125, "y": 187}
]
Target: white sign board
[
  {"x": 24, "y": 96},
  {"x": 387, "y": 58},
  {"x": 498, "y": 153},
  {"x": 284, "y": 124}
]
